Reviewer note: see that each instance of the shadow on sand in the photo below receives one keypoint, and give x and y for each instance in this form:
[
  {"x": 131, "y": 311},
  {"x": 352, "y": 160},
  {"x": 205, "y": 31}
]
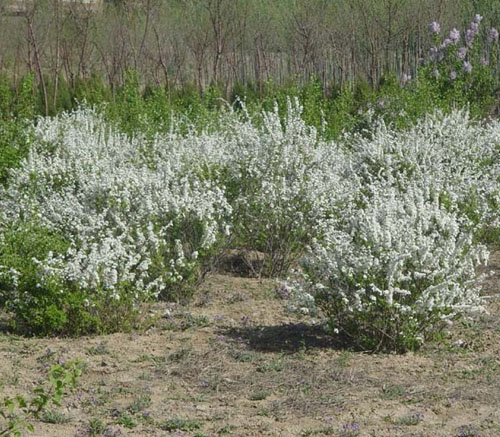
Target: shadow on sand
[{"x": 284, "y": 338}]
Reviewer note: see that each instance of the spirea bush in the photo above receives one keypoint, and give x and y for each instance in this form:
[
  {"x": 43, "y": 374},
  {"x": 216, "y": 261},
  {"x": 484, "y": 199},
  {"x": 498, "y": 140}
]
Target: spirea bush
[
  {"x": 453, "y": 156},
  {"x": 392, "y": 268},
  {"x": 287, "y": 181},
  {"x": 279, "y": 176},
  {"x": 400, "y": 259},
  {"x": 136, "y": 224}
]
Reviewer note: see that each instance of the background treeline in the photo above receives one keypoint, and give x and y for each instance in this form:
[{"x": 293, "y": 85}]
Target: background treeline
[{"x": 226, "y": 44}]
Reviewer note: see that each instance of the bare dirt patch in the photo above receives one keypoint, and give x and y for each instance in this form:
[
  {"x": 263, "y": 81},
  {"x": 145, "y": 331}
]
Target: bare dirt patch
[{"x": 234, "y": 363}]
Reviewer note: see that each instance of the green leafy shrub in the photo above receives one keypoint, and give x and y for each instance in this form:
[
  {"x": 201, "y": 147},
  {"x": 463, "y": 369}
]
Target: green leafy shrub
[
  {"x": 17, "y": 412},
  {"x": 41, "y": 308},
  {"x": 16, "y": 114}
]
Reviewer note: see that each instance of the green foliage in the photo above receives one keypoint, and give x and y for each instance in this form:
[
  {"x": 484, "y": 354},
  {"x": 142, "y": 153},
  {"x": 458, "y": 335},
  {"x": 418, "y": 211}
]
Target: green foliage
[
  {"x": 39, "y": 309},
  {"x": 52, "y": 307},
  {"x": 92, "y": 91},
  {"x": 129, "y": 104},
  {"x": 16, "y": 113},
  {"x": 17, "y": 412}
]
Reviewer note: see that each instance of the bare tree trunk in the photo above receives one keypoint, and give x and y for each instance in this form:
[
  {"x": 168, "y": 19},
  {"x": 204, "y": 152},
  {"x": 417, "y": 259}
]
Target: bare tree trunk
[
  {"x": 38, "y": 64},
  {"x": 58, "y": 50}
]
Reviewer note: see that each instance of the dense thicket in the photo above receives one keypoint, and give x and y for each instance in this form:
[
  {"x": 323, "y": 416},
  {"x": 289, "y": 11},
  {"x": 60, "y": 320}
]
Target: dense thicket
[
  {"x": 384, "y": 225},
  {"x": 229, "y": 43}
]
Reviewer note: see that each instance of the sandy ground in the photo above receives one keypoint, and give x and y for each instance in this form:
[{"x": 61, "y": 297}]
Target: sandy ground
[{"x": 234, "y": 363}]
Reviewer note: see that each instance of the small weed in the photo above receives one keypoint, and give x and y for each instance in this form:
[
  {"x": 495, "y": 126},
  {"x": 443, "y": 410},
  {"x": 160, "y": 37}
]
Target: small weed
[
  {"x": 410, "y": 420},
  {"x": 127, "y": 421},
  {"x": 145, "y": 376},
  {"x": 185, "y": 321},
  {"x": 55, "y": 417},
  {"x": 264, "y": 412},
  {"x": 392, "y": 392},
  {"x": 467, "y": 431},
  {"x": 243, "y": 357},
  {"x": 344, "y": 358},
  {"x": 237, "y": 297},
  {"x": 158, "y": 361},
  {"x": 139, "y": 403},
  {"x": 328, "y": 431},
  {"x": 180, "y": 355},
  {"x": 95, "y": 427},
  {"x": 204, "y": 299},
  {"x": 180, "y": 425},
  {"x": 100, "y": 349},
  {"x": 273, "y": 366},
  {"x": 142, "y": 358},
  {"x": 301, "y": 352},
  {"x": 259, "y": 395},
  {"x": 350, "y": 430},
  {"x": 226, "y": 429}
]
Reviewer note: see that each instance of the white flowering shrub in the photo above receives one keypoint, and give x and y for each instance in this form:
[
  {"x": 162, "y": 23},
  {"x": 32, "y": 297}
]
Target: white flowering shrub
[
  {"x": 286, "y": 180},
  {"x": 392, "y": 269},
  {"x": 138, "y": 225},
  {"x": 280, "y": 178},
  {"x": 401, "y": 258}
]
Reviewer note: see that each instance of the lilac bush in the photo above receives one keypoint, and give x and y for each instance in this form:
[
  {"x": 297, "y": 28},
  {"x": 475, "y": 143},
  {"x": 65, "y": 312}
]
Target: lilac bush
[{"x": 462, "y": 73}]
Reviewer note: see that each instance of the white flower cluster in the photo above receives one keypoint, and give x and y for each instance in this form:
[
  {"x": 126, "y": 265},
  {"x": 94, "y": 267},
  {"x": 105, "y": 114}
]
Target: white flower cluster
[
  {"x": 455, "y": 158},
  {"x": 401, "y": 248}
]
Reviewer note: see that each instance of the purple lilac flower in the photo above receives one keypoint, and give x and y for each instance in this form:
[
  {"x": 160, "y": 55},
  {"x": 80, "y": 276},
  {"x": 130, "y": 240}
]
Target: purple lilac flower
[
  {"x": 469, "y": 37},
  {"x": 477, "y": 18},
  {"x": 447, "y": 42},
  {"x": 462, "y": 52},
  {"x": 467, "y": 68},
  {"x": 433, "y": 53},
  {"x": 435, "y": 73},
  {"x": 475, "y": 28},
  {"x": 435, "y": 27},
  {"x": 453, "y": 75},
  {"x": 454, "y": 35},
  {"x": 493, "y": 35}
]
